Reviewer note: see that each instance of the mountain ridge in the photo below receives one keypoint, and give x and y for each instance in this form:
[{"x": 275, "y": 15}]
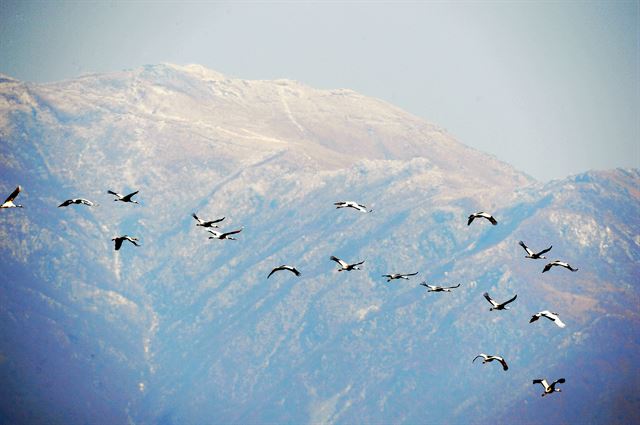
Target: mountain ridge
[{"x": 187, "y": 330}]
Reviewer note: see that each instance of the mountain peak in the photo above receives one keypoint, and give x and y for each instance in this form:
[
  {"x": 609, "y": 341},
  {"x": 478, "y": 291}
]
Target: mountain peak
[
  {"x": 4, "y": 78},
  {"x": 196, "y": 70},
  {"x": 265, "y": 117}
]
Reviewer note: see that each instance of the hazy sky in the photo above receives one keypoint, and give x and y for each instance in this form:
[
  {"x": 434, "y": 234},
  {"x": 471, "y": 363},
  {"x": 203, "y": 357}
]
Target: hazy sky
[{"x": 550, "y": 87}]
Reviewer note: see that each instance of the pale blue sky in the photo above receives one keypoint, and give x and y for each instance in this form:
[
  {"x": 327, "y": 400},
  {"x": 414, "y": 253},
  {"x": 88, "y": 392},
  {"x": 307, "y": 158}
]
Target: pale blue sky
[{"x": 552, "y": 88}]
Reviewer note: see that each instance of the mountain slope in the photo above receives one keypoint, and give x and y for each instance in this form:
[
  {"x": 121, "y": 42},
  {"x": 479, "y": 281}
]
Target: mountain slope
[{"x": 188, "y": 330}]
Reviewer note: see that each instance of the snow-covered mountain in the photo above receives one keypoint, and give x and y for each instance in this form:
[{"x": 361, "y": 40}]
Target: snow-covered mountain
[{"x": 188, "y": 330}]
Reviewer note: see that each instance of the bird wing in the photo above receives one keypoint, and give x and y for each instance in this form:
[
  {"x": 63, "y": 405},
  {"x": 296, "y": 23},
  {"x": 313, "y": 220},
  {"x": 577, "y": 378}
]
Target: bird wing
[
  {"x": 217, "y": 220},
  {"x": 14, "y": 194},
  {"x": 339, "y": 261},
  {"x": 65, "y": 203},
  {"x": 547, "y": 267},
  {"x": 114, "y": 193},
  {"x": 453, "y": 287},
  {"x": 484, "y": 356},
  {"x": 542, "y": 382},
  {"x": 535, "y": 317},
  {"x": 273, "y": 271},
  {"x": 361, "y": 207},
  {"x": 553, "y": 317},
  {"x": 129, "y": 196},
  {"x": 231, "y": 233},
  {"x": 285, "y": 267},
  {"x": 199, "y": 220},
  {"x": 511, "y": 300},
  {"x": 559, "y": 322},
  {"x": 558, "y": 381},
  {"x": 411, "y": 274},
  {"x": 118, "y": 243},
  {"x": 504, "y": 364},
  {"x": 571, "y": 268},
  {"x": 357, "y": 264},
  {"x": 492, "y": 220},
  {"x": 526, "y": 248},
  {"x": 486, "y": 295},
  {"x": 133, "y": 240},
  {"x": 545, "y": 250},
  {"x": 86, "y": 202},
  {"x": 471, "y": 218},
  {"x": 214, "y": 233}
]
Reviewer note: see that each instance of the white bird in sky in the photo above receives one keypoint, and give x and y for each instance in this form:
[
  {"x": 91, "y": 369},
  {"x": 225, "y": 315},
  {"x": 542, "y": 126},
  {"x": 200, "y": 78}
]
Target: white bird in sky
[
  {"x": 549, "y": 315},
  {"x": 77, "y": 201},
  {"x": 8, "y": 203},
  {"x": 223, "y": 235},
  {"x": 435, "y": 288},
  {"x": 534, "y": 255},
  {"x": 346, "y": 266},
  {"x": 119, "y": 239},
  {"x": 496, "y": 305},
  {"x": 284, "y": 267},
  {"x": 549, "y": 389},
  {"x": 558, "y": 263},
  {"x": 351, "y": 204},
  {"x": 488, "y": 358},
  {"x": 482, "y": 215},
  {"x": 126, "y": 198},
  {"x": 203, "y": 223},
  {"x": 393, "y": 276}
]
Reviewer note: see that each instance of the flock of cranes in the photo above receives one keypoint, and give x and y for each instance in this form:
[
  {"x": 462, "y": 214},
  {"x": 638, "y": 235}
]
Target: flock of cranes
[{"x": 345, "y": 266}]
